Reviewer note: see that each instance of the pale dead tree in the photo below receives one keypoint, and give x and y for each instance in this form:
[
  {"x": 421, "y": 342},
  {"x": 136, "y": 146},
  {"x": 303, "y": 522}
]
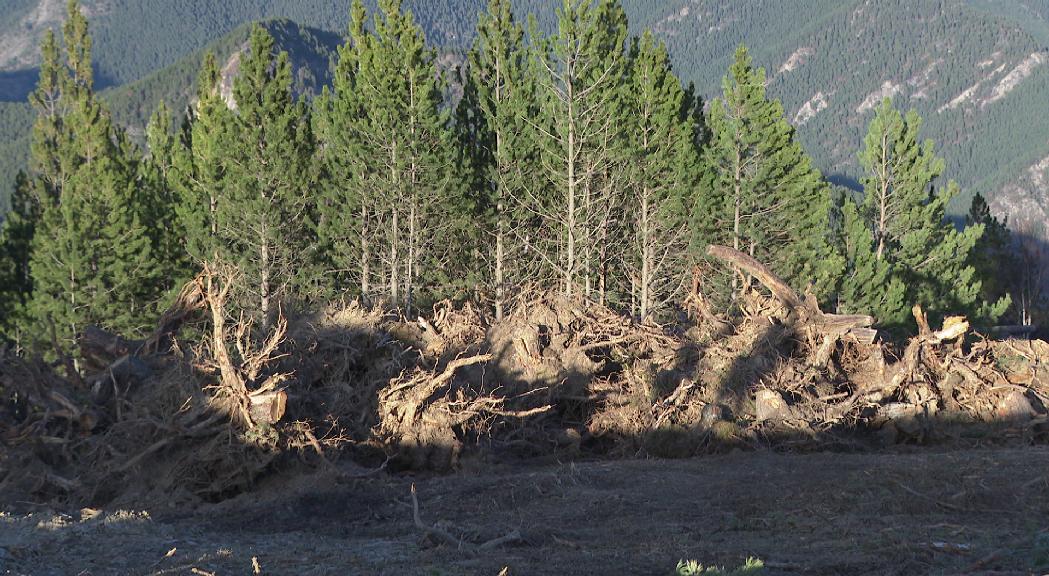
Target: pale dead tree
[
  {"x": 582, "y": 69},
  {"x": 1030, "y": 280}
]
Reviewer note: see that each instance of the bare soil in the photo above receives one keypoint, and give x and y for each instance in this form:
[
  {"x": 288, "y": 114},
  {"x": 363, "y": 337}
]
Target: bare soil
[{"x": 906, "y": 511}]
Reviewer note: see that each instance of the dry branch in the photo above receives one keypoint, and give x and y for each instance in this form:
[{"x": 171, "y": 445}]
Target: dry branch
[
  {"x": 829, "y": 328},
  {"x": 458, "y": 543},
  {"x": 806, "y": 308}
]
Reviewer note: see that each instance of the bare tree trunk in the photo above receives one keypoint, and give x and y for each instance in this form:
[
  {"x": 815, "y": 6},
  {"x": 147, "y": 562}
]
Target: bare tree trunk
[
  {"x": 500, "y": 227},
  {"x": 365, "y": 270},
  {"x": 570, "y": 259},
  {"x": 394, "y": 263},
  {"x": 413, "y": 210},
  {"x": 587, "y": 236},
  {"x": 646, "y": 256},
  {"x": 410, "y": 265},
  {"x": 635, "y": 304},
  {"x": 214, "y": 206},
  {"x": 264, "y": 275},
  {"x": 737, "y": 224},
  {"x": 499, "y": 256},
  {"x": 884, "y": 200}
]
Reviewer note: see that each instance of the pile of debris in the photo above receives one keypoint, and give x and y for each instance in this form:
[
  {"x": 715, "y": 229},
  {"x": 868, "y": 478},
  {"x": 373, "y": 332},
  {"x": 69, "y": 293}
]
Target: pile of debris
[
  {"x": 792, "y": 375},
  {"x": 138, "y": 419}
]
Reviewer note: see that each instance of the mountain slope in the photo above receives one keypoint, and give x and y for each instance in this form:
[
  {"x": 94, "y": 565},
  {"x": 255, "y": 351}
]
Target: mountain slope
[
  {"x": 133, "y": 38},
  {"x": 977, "y": 70},
  {"x": 132, "y": 104},
  {"x": 974, "y": 70}
]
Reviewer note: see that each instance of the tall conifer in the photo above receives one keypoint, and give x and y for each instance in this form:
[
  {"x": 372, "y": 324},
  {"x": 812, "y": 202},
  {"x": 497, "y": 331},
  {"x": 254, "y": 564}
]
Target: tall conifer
[
  {"x": 763, "y": 195},
  {"x": 16, "y": 238},
  {"x": 582, "y": 71},
  {"x": 160, "y": 201},
  {"x": 264, "y": 219},
  {"x": 92, "y": 259},
  {"x": 387, "y": 114},
  {"x": 494, "y": 114},
  {"x": 198, "y": 171},
  {"x": 904, "y": 213},
  {"x": 663, "y": 162}
]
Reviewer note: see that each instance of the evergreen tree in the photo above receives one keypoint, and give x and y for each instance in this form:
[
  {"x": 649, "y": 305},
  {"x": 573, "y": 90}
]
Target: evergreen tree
[
  {"x": 762, "y": 195},
  {"x": 198, "y": 171},
  {"x": 904, "y": 212},
  {"x": 497, "y": 104},
  {"x": 16, "y": 238},
  {"x": 156, "y": 179},
  {"x": 385, "y": 123},
  {"x": 867, "y": 284},
  {"x": 263, "y": 220},
  {"x": 581, "y": 78},
  {"x": 994, "y": 257},
  {"x": 663, "y": 163},
  {"x": 92, "y": 261},
  {"x": 346, "y": 222}
]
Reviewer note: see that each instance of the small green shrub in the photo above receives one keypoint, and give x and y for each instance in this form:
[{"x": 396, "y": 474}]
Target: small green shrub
[{"x": 751, "y": 567}]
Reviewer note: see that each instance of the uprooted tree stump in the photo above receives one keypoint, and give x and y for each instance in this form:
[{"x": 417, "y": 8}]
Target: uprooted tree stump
[
  {"x": 420, "y": 413},
  {"x": 934, "y": 379},
  {"x": 249, "y": 390}
]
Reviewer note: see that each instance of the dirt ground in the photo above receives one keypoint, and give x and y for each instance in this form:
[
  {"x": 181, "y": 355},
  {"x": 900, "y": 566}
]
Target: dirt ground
[{"x": 909, "y": 511}]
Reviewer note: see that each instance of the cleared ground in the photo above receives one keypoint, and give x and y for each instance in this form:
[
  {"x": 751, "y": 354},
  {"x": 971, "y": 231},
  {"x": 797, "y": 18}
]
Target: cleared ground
[{"x": 974, "y": 511}]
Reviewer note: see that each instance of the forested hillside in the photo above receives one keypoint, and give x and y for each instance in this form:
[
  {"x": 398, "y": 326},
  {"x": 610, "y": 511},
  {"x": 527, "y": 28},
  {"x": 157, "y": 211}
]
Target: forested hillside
[
  {"x": 573, "y": 161},
  {"x": 162, "y": 32},
  {"x": 132, "y": 104},
  {"x": 977, "y": 70}
]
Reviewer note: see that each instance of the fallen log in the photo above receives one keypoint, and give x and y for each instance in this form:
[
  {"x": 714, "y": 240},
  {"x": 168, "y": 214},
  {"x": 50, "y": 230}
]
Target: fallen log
[
  {"x": 806, "y": 307},
  {"x": 829, "y": 328}
]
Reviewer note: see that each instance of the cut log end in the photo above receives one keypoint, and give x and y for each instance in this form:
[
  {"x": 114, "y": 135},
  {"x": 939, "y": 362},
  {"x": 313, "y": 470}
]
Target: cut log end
[{"x": 269, "y": 407}]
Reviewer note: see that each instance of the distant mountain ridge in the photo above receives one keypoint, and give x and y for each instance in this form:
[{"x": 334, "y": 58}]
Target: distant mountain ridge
[
  {"x": 977, "y": 70},
  {"x": 132, "y": 104}
]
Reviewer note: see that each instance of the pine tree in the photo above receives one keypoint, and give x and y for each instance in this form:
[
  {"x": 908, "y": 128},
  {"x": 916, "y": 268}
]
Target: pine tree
[
  {"x": 905, "y": 213},
  {"x": 662, "y": 177},
  {"x": 867, "y": 284},
  {"x": 497, "y": 103},
  {"x": 994, "y": 257},
  {"x": 160, "y": 201},
  {"x": 198, "y": 171},
  {"x": 16, "y": 238},
  {"x": 762, "y": 195},
  {"x": 385, "y": 122},
  {"x": 346, "y": 219},
  {"x": 92, "y": 261},
  {"x": 263, "y": 219},
  {"x": 581, "y": 79}
]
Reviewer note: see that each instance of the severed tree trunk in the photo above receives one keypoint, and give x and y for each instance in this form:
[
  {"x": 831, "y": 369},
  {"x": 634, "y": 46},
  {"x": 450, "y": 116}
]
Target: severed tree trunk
[
  {"x": 365, "y": 271},
  {"x": 828, "y": 327}
]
